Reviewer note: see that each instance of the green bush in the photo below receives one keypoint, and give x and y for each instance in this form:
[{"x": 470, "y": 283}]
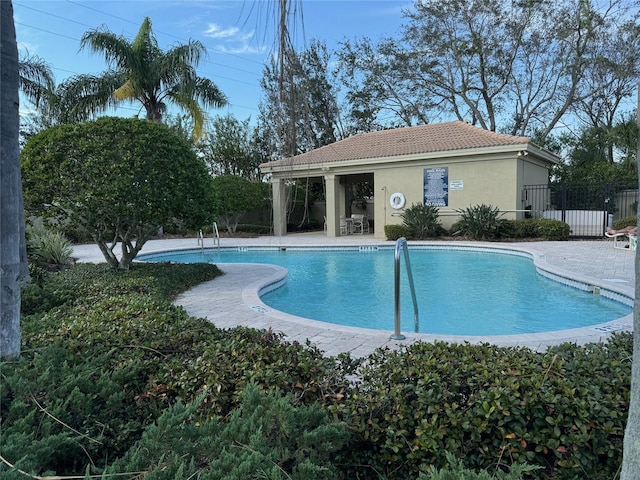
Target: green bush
[
  {"x": 522, "y": 228},
  {"x": 480, "y": 222},
  {"x": 48, "y": 247},
  {"x": 394, "y": 232},
  {"x": 630, "y": 221},
  {"x": 492, "y": 406},
  {"x": 148, "y": 352},
  {"x": 264, "y": 437},
  {"x": 550, "y": 229},
  {"x": 59, "y": 411},
  {"x": 456, "y": 471},
  {"x": 257, "y": 229},
  {"x": 423, "y": 221}
]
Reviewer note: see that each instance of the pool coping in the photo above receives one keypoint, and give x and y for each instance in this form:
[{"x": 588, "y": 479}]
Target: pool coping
[{"x": 333, "y": 338}]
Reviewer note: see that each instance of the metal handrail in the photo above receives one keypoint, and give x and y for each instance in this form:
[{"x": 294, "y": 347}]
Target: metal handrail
[
  {"x": 402, "y": 243},
  {"x": 216, "y": 237}
]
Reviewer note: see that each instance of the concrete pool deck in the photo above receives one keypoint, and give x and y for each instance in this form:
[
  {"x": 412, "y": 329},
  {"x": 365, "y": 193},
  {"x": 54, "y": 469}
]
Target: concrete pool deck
[{"x": 233, "y": 299}]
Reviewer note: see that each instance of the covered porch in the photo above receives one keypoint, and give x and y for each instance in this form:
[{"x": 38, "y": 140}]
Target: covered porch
[{"x": 339, "y": 205}]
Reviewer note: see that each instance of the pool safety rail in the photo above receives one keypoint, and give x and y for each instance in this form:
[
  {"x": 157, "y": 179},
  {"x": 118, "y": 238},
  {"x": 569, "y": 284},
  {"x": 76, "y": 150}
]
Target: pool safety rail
[
  {"x": 401, "y": 244},
  {"x": 216, "y": 237}
]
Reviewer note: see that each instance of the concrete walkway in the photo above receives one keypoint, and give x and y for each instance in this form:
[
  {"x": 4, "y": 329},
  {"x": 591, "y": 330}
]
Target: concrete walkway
[{"x": 233, "y": 299}]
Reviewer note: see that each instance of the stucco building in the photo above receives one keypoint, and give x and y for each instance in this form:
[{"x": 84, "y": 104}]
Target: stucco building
[{"x": 452, "y": 165}]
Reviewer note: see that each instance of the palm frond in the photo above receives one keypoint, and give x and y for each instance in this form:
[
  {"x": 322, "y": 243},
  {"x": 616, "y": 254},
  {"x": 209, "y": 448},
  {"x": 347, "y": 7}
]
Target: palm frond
[
  {"x": 36, "y": 79},
  {"x": 116, "y": 49},
  {"x": 84, "y": 96}
]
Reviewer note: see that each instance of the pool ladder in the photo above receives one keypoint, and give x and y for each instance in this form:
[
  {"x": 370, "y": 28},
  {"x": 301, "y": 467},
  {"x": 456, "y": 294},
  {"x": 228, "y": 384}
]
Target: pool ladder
[
  {"x": 216, "y": 237},
  {"x": 401, "y": 243}
]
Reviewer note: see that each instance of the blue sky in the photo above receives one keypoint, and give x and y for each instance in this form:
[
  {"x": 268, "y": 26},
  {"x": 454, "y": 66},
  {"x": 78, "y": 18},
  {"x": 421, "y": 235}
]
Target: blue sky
[{"x": 238, "y": 34}]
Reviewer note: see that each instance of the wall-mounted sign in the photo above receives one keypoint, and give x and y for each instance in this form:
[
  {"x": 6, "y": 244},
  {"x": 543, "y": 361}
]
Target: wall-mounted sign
[
  {"x": 456, "y": 185},
  {"x": 436, "y": 186}
]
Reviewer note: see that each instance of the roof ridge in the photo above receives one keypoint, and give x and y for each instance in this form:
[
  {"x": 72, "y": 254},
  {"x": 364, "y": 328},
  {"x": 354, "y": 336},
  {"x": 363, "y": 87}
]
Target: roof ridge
[{"x": 402, "y": 141}]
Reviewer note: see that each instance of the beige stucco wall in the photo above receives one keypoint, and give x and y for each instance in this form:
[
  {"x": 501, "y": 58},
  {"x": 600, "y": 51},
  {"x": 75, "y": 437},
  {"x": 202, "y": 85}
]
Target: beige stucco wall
[
  {"x": 489, "y": 177},
  {"x": 495, "y": 180}
]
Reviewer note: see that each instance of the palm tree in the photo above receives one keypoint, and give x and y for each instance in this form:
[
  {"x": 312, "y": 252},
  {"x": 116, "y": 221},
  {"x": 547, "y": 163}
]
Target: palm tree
[
  {"x": 36, "y": 79},
  {"x": 140, "y": 71},
  {"x": 12, "y": 244}
]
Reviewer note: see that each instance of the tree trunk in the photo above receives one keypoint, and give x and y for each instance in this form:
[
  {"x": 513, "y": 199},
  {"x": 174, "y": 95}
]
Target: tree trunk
[
  {"x": 631, "y": 449},
  {"x": 11, "y": 217}
]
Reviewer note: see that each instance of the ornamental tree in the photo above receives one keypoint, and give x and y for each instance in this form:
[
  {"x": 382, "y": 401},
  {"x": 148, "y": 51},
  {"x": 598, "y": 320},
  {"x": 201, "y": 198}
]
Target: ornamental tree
[
  {"x": 117, "y": 180},
  {"x": 234, "y": 196}
]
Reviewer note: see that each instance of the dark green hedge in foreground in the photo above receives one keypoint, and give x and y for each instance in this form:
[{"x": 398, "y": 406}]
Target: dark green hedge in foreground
[
  {"x": 112, "y": 370},
  {"x": 563, "y": 410}
]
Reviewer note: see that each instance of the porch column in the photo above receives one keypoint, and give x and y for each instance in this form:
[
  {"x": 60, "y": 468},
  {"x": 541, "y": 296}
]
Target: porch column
[
  {"x": 279, "y": 195},
  {"x": 332, "y": 197}
]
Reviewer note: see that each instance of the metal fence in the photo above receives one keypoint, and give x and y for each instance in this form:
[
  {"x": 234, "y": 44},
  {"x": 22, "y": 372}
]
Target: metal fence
[{"x": 587, "y": 209}]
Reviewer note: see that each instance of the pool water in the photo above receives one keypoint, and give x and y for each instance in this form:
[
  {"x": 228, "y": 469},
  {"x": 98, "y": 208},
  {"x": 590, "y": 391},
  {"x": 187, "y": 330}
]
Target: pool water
[{"x": 459, "y": 292}]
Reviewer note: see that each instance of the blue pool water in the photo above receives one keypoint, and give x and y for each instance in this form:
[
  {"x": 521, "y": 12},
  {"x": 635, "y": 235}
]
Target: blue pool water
[{"x": 459, "y": 292}]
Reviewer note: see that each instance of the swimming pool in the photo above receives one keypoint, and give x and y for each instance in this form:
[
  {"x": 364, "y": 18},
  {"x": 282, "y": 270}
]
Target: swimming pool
[{"x": 460, "y": 292}]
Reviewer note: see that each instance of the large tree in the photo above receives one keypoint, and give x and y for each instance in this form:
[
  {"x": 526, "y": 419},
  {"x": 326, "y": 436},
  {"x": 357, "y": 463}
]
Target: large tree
[
  {"x": 117, "y": 180},
  {"x": 12, "y": 243},
  {"x": 512, "y": 66},
  {"x": 302, "y": 113},
  {"x": 230, "y": 149},
  {"x": 139, "y": 70},
  {"x": 235, "y": 196}
]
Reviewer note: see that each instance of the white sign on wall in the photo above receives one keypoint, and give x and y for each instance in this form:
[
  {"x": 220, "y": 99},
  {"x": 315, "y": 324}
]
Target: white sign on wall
[{"x": 456, "y": 185}]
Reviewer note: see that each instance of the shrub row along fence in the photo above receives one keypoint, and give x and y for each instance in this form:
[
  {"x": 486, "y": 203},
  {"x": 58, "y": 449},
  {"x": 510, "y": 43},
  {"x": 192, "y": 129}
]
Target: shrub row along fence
[{"x": 588, "y": 209}]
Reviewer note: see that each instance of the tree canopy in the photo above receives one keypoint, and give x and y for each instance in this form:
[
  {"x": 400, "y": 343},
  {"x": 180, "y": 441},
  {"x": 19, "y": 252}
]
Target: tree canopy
[
  {"x": 116, "y": 179},
  {"x": 139, "y": 70},
  {"x": 234, "y": 196},
  {"x": 510, "y": 66}
]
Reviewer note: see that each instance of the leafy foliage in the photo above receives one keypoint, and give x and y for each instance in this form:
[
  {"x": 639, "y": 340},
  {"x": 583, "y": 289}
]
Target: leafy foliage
[
  {"x": 266, "y": 435},
  {"x": 625, "y": 222},
  {"x": 148, "y": 355},
  {"x": 423, "y": 221},
  {"x": 234, "y": 196},
  {"x": 48, "y": 247},
  {"x": 481, "y": 57},
  {"x": 456, "y": 471},
  {"x": 394, "y": 232},
  {"x": 303, "y": 113},
  {"x": 479, "y": 222},
  {"x": 492, "y": 406},
  {"x": 141, "y": 71},
  {"x": 552, "y": 229},
  {"x": 229, "y": 149},
  {"x": 117, "y": 180}
]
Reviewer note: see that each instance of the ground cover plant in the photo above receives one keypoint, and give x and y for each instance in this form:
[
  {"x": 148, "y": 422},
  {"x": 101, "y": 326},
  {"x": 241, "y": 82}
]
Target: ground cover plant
[{"x": 113, "y": 378}]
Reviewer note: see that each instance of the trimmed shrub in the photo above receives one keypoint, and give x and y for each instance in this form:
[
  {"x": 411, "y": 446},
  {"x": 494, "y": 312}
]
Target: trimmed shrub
[
  {"x": 492, "y": 406},
  {"x": 522, "y": 228},
  {"x": 630, "y": 221},
  {"x": 423, "y": 221},
  {"x": 394, "y": 232},
  {"x": 257, "y": 229},
  {"x": 550, "y": 229}
]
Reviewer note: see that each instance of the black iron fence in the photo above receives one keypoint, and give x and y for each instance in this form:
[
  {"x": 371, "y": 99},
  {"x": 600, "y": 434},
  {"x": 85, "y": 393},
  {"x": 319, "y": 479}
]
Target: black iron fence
[{"x": 587, "y": 209}]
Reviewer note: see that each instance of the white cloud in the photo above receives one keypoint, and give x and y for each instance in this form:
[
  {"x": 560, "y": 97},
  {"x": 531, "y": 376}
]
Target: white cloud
[{"x": 215, "y": 31}]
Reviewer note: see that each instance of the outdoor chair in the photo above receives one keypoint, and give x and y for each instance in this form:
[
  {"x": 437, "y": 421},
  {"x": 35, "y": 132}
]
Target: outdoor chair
[
  {"x": 360, "y": 223},
  {"x": 344, "y": 226},
  {"x": 623, "y": 240}
]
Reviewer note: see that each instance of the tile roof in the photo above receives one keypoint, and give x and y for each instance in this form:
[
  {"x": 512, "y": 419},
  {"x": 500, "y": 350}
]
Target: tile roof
[{"x": 437, "y": 137}]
